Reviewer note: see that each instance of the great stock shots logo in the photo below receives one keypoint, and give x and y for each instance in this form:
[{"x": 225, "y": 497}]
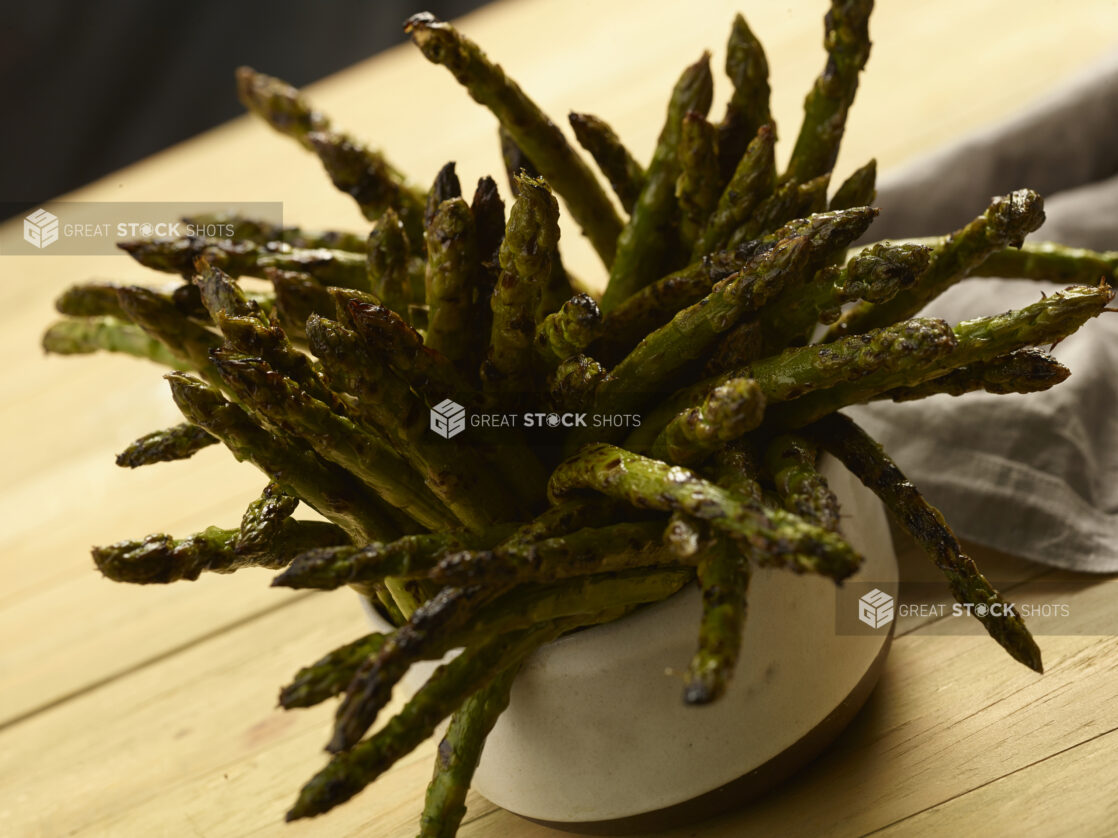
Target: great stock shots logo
[
  {"x": 40, "y": 229},
  {"x": 93, "y": 228},
  {"x": 448, "y": 419},
  {"x": 875, "y": 609}
]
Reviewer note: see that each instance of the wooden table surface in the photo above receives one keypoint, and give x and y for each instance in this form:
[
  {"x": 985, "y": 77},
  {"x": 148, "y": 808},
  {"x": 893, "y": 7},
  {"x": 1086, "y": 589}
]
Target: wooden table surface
[{"x": 150, "y": 711}]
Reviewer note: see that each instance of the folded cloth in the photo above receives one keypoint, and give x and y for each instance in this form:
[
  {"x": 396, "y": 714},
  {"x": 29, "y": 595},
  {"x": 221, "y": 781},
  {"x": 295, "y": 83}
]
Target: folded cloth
[{"x": 1033, "y": 475}]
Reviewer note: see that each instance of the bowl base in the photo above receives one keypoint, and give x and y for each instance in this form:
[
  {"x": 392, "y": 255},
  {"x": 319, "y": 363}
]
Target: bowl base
[{"x": 737, "y": 793}]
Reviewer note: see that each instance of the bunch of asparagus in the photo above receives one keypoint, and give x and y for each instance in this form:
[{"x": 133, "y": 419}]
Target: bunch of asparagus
[{"x": 722, "y": 271}]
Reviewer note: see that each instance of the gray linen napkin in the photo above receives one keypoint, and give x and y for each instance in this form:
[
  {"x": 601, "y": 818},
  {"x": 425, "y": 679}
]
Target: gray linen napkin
[{"x": 1033, "y": 475}]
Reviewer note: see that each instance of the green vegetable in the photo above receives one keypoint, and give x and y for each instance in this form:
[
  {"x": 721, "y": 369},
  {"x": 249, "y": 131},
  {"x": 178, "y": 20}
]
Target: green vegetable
[
  {"x": 533, "y": 132},
  {"x": 419, "y": 382},
  {"x": 925, "y": 524}
]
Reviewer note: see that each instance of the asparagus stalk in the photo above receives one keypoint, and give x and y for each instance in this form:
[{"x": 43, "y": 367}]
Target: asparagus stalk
[
  {"x": 298, "y": 296},
  {"x": 328, "y": 267},
  {"x": 650, "y": 236},
  {"x": 265, "y": 516},
  {"x": 250, "y": 332},
  {"x": 858, "y": 190},
  {"x": 847, "y": 40},
  {"x": 570, "y": 330},
  {"x": 880, "y": 272},
  {"x": 410, "y": 556},
  {"x": 790, "y": 200},
  {"x": 590, "y": 550},
  {"x": 267, "y": 537},
  {"x": 93, "y": 334},
  {"x": 430, "y": 627},
  {"x": 331, "y": 491},
  {"x": 458, "y": 755},
  {"x": 621, "y": 169},
  {"x": 727, "y": 412},
  {"x": 448, "y": 621},
  {"x": 863, "y": 456},
  {"x": 1052, "y": 262},
  {"x": 176, "y": 443},
  {"x": 698, "y": 186},
  {"x": 157, "y": 316},
  {"x": 282, "y": 403},
  {"x": 426, "y": 370},
  {"x": 737, "y": 349},
  {"x": 1047, "y": 261},
  {"x": 527, "y": 259},
  {"x": 593, "y": 593},
  {"x": 696, "y": 328},
  {"x": 349, "y": 772},
  {"x": 778, "y": 536},
  {"x": 1005, "y": 222},
  {"x": 386, "y": 262},
  {"x": 790, "y": 461},
  {"x": 246, "y": 258},
  {"x": 1023, "y": 371},
  {"x": 790, "y": 317},
  {"x": 537, "y": 135},
  {"x": 258, "y": 230},
  {"x": 748, "y": 108},
  {"x": 1048, "y": 321},
  {"x": 798, "y": 372},
  {"x": 516, "y": 162},
  {"x": 280, "y": 105},
  {"x": 329, "y": 676},
  {"x": 723, "y": 579},
  {"x": 438, "y": 624},
  {"x": 735, "y": 467},
  {"x": 558, "y": 288},
  {"x": 457, "y": 475},
  {"x": 91, "y": 299},
  {"x": 453, "y": 279},
  {"x": 160, "y": 559},
  {"x": 489, "y": 221},
  {"x": 876, "y": 274},
  {"x": 177, "y": 255},
  {"x": 572, "y": 384},
  {"x": 360, "y": 172},
  {"x": 187, "y": 300},
  {"x": 445, "y": 187},
  {"x": 562, "y": 519},
  {"x": 655, "y": 304},
  {"x": 346, "y": 300},
  {"x": 367, "y": 177},
  {"x": 749, "y": 185}
]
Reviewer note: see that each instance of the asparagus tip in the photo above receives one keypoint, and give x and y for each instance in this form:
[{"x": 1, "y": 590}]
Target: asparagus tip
[
  {"x": 1028, "y": 653},
  {"x": 338, "y": 742},
  {"x": 697, "y": 693}
]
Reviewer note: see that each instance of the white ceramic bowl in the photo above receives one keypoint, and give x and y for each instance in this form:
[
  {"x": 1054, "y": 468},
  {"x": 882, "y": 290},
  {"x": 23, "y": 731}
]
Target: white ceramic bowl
[{"x": 596, "y": 737}]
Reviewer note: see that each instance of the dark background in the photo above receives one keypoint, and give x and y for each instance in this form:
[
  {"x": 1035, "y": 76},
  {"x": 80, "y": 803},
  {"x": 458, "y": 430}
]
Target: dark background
[{"x": 88, "y": 87}]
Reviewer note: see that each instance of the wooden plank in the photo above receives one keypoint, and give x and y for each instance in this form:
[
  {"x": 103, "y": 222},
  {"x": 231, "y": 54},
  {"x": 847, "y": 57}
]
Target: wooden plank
[
  {"x": 1068, "y": 790},
  {"x": 194, "y": 739},
  {"x": 77, "y": 628},
  {"x": 202, "y": 722}
]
